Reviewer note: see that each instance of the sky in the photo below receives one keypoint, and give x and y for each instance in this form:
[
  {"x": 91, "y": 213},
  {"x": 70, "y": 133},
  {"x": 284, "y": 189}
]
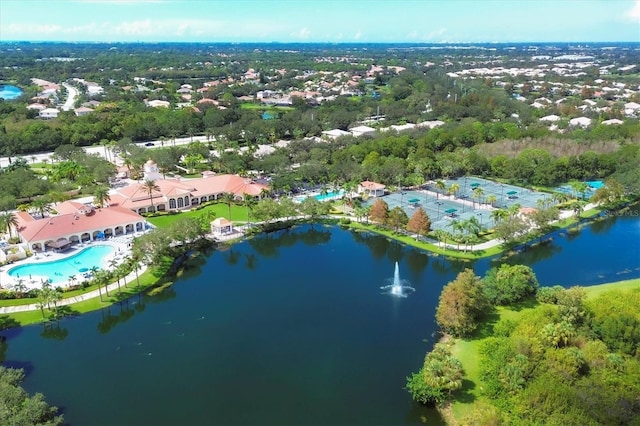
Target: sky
[{"x": 335, "y": 21}]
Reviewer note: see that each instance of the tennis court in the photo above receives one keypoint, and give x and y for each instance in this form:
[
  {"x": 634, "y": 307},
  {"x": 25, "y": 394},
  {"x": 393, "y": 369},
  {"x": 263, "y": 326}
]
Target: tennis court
[
  {"x": 505, "y": 195},
  {"x": 441, "y": 210}
]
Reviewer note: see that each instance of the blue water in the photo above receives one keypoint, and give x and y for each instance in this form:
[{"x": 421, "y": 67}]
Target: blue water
[
  {"x": 593, "y": 186},
  {"x": 58, "y": 271},
  {"x": 332, "y": 195},
  {"x": 9, "y": 92},
  {"x": 287, "y": 328}
]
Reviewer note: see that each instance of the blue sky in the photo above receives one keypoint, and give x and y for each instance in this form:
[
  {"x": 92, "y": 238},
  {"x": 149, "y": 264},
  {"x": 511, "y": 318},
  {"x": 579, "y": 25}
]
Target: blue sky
[{"x": 320, "y": 20}]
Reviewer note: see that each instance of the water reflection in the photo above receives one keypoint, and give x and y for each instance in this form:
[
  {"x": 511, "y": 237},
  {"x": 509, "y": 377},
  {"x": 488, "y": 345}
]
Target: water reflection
[
  {"x": 54, "y": 330},
  {"x": 268, "y": 244},
  {"x": 417, "y": 261},
  {"x": 377, "y": 244}
]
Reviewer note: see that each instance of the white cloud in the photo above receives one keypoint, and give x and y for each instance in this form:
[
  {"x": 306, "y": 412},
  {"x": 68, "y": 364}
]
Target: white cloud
[
  {"x": 436, "y": 33},
  {"x": 303, "y": 34},
  {"x": 126, "y": 2},
  {"x": 634, "y": 12},
  {"x": 45, "y": 29},
  {"x": 357, "y": 35}
]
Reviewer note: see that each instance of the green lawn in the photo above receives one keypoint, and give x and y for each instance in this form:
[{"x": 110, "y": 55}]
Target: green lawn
[{"x": 238, "y": 214}]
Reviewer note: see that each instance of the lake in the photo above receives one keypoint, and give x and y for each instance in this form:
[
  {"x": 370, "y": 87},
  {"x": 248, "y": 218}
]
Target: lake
[
  {"x": 287, "y": 328},
  {"x": 8, "y": 92}
]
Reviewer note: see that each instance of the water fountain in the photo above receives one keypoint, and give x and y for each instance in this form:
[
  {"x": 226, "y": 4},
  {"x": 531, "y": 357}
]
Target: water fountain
[{"x": 397, "y": 287}]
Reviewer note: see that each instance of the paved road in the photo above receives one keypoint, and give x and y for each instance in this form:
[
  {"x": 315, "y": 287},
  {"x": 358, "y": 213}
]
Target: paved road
[
  {"x": 39, "y": 157},
  {"x": 72, "y": 94}
]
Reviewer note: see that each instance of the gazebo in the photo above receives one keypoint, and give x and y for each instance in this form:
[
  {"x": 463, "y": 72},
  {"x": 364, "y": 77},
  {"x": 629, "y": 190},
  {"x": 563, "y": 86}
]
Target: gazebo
[
  {"x": 512, "y": 194},
  {"x": 221, "y": 226},
  {"x": 451, "y": 212}
]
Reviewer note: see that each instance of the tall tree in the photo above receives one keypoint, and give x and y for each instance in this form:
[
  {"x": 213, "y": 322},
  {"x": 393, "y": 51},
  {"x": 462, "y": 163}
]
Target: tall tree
[
  {"x": 101, "y": 196},
  {"x": 379, "y": 211},
  {"x": 8, "y": 222},
  {"x": 461, "y": 304},
  {"x": 228, "y": 198},
  {"x": 419, "y": 223},
  {"x": 150, "y": 187},
  {"x": 397, "y": 218}
]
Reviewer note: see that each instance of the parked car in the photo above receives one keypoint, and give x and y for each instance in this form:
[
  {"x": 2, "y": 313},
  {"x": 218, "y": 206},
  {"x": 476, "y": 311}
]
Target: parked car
[{"x": 149, "y": 144}]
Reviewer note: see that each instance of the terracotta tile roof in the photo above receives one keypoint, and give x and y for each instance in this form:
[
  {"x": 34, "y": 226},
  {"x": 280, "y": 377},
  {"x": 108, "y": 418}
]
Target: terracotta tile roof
[
  {"x": 135, "y": 196},
  {"x": 54, "y": 227},
  {"x": 372, "y": 186}
]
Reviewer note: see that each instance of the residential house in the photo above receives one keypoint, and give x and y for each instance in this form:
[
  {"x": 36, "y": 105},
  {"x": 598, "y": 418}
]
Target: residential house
[{"x": 48, "y": 113}]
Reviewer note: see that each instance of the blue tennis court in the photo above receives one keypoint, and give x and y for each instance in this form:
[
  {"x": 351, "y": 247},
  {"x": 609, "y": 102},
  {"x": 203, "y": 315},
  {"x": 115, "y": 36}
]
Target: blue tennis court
[
  {"x": 504, "y": 195},
  {"x": 474, "y": 197},
  {"x": 441, "y": 209}
]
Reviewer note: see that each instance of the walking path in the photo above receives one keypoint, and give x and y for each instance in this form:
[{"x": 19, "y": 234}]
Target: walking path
[{"x": 129, "y": 279}]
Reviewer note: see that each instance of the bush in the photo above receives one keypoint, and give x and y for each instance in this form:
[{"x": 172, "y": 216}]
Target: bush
[
  {"x": 549, "y": 294},
  {"x": 509, "y": 284},
  {"x": 7, "y": 294},
  {"x": 345, "y": 221},
  {"x": 440, "y": 375}
]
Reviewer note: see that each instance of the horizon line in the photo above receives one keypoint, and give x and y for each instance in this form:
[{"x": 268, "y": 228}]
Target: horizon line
[{"x": 311, "y": 42}]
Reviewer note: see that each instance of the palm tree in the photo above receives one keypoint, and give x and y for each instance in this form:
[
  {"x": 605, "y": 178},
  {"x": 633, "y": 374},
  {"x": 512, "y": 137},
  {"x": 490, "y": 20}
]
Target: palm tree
[
  {"x": 249, "y": 201},
  {"x": 453, "y": 189},
  {"x": 150, "y": 187},
  {"x": 228, "y": 198},
  {"x": 514, "y": 209},
  {"x": 579, "y": 188},
  {"x": 113, "y": 264},
  {"x": 101, "y": 196},
  {"x": 560, "y": 197},
  {"x": 499, "y": 215},
  {"x": 42, "y": 299},
  {"x": 264, "y": 193},
  {"x": 19, "y": 287},
  {"x": 8, "y": 221},
  {"x": 102, "y": 277},
  {"x": 491, "y": 199},
  {"x": 457, "y": 226},
  {"x": 440, "y": 186},
  {"x": 94, "y": 273},
  {"x": 72, "y": 280},
  {"x": 41, "y": 206},
  {"x": 477, "y": 194},
  {"x": 133, "y": 262},
  {"x": 55, "y": 296},
  {"x": 121, "y": 271}
]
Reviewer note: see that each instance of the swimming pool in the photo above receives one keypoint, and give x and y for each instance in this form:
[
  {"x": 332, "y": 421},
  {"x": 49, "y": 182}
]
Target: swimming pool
[
  {"x": 332, "y": 195},
  {"x": 592, "y": 186},
  {"x": 58, "y": 271}
]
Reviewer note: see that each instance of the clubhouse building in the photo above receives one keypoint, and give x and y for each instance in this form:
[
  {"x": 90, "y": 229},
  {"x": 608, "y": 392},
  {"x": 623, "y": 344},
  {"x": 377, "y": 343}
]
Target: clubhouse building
[
  {"x": 178, "y": 194},
  {"x": 76, "y": 223}
]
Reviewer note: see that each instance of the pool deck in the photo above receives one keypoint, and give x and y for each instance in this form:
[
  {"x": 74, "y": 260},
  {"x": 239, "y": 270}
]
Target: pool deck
[{"x": 120, "y": 245}]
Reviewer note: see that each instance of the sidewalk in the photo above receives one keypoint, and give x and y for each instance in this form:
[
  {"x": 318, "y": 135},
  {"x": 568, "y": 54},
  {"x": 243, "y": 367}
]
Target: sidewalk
[{"x": 129, "y": 279}]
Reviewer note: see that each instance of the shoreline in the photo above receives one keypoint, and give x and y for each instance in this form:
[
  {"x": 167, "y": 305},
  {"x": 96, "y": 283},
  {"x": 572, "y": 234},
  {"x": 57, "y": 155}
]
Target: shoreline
[{"x": 436, "y": 248}]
